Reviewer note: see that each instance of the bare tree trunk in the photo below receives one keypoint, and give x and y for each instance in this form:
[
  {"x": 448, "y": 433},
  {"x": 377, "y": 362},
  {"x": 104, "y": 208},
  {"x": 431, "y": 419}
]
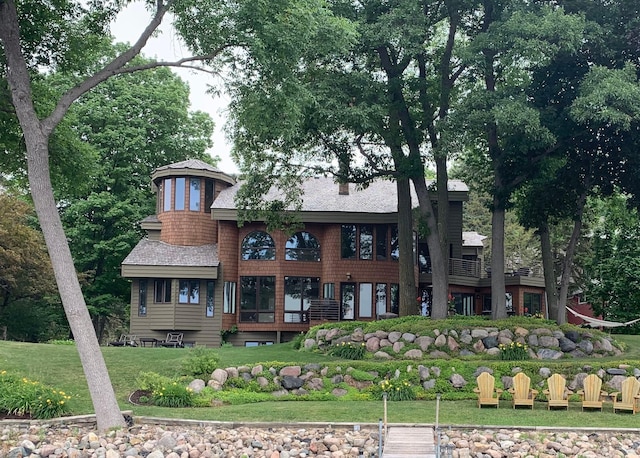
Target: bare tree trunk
[
  {"x": 567, "y": 265},
  {"x": 36, "y": 137},
  {"x": 439, "y": 264},
  {"x": 550, "y": 279},
  {"x": 498, "y": 303},
  {"x": 405, "y": 241}
]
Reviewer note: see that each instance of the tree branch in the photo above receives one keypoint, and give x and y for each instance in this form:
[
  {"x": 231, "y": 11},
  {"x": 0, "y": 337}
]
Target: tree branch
[{"x": 112, "y": 68}]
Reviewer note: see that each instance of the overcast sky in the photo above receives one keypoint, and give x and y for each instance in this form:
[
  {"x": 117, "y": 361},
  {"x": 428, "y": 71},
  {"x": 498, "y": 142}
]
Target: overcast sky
[{"x": 167, "y": 46}]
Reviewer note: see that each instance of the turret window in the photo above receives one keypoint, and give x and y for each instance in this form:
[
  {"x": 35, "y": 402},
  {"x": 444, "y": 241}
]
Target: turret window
[
  {"x": 180, "y": 184},
  {"x": 167, "y": 194},
  {"x": 194, "y": 194}
]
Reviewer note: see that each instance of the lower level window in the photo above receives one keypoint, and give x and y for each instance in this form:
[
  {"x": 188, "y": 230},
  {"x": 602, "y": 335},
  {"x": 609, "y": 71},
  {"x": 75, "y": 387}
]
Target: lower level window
[
  {"x": 298, "y": 294},
  {"x": 257, "y": 299},
  {"x": 532, "y": 303},
  {"x": 189, "y": 292},
  {"x": 162, "y": 290}
]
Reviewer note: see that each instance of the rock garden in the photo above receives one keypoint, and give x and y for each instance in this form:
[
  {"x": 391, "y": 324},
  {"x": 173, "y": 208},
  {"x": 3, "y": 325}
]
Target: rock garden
[{"x": 413, "y": 358}]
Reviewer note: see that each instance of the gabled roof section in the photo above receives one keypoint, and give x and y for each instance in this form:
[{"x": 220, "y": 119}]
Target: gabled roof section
[
  {"x": 156, "y": 253},
  {"x": 321, "y": 200},
  {"x": 472, "y": 238},
  {"x": 191, "y": 167}
]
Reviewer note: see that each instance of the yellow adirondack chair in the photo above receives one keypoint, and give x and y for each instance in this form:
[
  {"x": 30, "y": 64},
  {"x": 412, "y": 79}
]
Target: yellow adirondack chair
[
  {"x": 557, "y": 392},
  {"x": 521, "y": 391},
  {"x": 486, "y": 390},
  {"x": 592, "y": 393},
  {"x": 628, "y": 396}
]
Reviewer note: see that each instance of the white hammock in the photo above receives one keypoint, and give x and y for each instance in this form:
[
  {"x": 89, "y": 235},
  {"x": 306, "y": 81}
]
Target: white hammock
[{"x": 595, "y": 322}]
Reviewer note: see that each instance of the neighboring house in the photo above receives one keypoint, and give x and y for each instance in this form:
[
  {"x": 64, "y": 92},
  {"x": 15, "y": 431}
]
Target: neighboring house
[{"x": 198, "y": 273}]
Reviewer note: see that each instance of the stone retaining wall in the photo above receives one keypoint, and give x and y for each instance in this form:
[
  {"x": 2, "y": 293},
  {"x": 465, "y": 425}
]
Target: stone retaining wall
[{"x": 542, "y": 343}]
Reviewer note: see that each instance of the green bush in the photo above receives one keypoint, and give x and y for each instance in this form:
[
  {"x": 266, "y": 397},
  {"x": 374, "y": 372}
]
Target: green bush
[
  {"x": 397, "y": 389},
  {"x": 173, "y": 394},
  {"x": 349, "y": 350},
  {"x": 200, "y": 362},
  {"x": 515, "y": 351},
  {"x": 21, "y": 396},
  {"x": 151, "y": 381}
]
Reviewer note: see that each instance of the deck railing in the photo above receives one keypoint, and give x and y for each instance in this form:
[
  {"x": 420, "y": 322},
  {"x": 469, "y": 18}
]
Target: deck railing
[{"x": 474, "y": 269}]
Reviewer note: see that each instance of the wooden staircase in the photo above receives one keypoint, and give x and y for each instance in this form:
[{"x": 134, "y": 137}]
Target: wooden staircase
[{"x": 409, "y": 442}]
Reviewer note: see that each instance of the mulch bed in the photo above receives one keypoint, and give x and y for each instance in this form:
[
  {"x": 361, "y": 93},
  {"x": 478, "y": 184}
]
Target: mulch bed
[
  {"x": 11, "y": 416},
  {"x": 140, "y": 398}
]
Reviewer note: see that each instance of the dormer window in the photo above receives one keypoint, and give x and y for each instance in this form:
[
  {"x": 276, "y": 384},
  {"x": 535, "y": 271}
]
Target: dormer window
[{"x": 167, "y": 194}]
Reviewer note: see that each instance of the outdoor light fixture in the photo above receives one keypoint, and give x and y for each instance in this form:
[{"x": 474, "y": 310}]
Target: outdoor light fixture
[{"x": 348, "y": 275}]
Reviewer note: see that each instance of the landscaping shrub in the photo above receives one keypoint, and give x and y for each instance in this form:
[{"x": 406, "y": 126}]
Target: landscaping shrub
[
  {"x": 397, "y": 389},
  {"x": 21, "y": 396},
  {"x": 151, "y": 381},
  {"x": 173, "y": 394},
  {"x": 515, "y": 351},
  {"x": 200, "y": 362},
  {"x": 348, "y": 350}
]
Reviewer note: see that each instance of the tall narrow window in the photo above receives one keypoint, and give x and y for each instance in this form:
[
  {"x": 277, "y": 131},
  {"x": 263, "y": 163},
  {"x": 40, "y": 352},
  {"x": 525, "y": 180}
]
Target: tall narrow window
[
  {"x": 381, "y": 298},
  {"x": 162, "y": 290},
  {"x": 348, "y": 301},
  {"x": 395, "y": 248},
  {"x": 167, "y": 194},
  {"x": 302, "y": 246},
  {"x": 229, "y": 297},
  {"x": 257, "y": 299},
  {"x": 329, "y": 291},
  {"x": 189, "y": 292},
  {"x": 365, "y": 300},
  {"x": 258, "y": 245},
  {"x": 210, "y": 298},
  {"x": 381, "y": 243},
  {"x": 180, "y": 192},
  {"x": 194, "y": 194},
  {"x": 395, "y": 298},
  {"x": 366, "y": 241},
  {"x": 209, "y": 192},
  {"x": 348, "y": 245},
  {"x": 142, "y": 297},
  {"x": 298, "y": 294}
]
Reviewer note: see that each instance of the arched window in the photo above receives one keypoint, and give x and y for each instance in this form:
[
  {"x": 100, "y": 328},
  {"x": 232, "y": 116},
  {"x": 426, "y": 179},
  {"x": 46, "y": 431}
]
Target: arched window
[
  {"x": 258, "y": 245},
  {"x": 302, "y": 246}
]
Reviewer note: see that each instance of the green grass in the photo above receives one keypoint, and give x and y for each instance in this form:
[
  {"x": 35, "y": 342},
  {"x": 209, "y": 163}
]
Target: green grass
[{"x": 59, "y": 366}]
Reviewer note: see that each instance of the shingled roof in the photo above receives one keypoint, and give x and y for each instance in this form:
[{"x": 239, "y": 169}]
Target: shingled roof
[
  {"x": 194, "y": 164},
  {"x": 321, "y": 195},
  {"x": 156, "y": 253}
]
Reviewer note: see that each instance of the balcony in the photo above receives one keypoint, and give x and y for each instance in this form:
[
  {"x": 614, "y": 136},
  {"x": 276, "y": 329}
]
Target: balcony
[{"x": 473, "y": 269}]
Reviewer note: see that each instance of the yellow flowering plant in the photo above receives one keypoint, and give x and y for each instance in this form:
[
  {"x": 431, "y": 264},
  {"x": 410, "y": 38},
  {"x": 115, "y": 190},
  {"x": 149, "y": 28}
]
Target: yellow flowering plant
[
  {"x": 173, "y": 394},
  {"x": 21, "y": 396},
  {"x": 397, "y": 389},
  {"x": 515, "y": 351}
]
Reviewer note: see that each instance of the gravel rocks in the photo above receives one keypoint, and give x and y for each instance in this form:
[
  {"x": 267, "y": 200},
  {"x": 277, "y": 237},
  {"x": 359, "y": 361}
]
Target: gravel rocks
[
  {"x": 153, "y": 441},
  {"x": 215, "y": 441}
]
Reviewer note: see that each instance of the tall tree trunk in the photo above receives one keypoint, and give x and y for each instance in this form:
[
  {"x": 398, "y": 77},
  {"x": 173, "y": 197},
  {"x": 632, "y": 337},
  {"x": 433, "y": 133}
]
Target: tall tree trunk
[
  {"x": 498, "y": 303},
  {"x": 567, "y": 265},
  {"x": 442, "y": 189},
  {"x": 439, "y": 265},
  {"x": 550, "y": 278},
  {"x": 405, "y": 241},
  {"x": 36, "y": 137}
]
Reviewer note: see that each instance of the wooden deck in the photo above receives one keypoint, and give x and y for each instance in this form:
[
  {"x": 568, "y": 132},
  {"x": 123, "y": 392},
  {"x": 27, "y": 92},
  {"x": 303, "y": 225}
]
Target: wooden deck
[{"x": 409, "y": 442}]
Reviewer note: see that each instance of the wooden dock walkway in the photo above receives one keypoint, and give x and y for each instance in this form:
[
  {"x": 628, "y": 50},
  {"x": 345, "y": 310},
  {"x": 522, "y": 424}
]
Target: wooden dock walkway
[{"x": 409, "y": 442}]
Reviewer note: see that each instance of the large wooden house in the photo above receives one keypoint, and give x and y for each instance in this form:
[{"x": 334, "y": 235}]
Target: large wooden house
[{"x": 198, "y": 273}]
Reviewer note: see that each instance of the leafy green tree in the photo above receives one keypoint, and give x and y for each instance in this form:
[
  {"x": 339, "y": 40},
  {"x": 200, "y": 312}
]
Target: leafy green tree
[
  {"x": 134, "y": 123},
  {"x": 590, "y": 102},
  {"x": 611, "y": 272},
  {"x": 65, "y": 37},
  {"x": 503, "y": 127},
  {"x": 372, "y": 107}
]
